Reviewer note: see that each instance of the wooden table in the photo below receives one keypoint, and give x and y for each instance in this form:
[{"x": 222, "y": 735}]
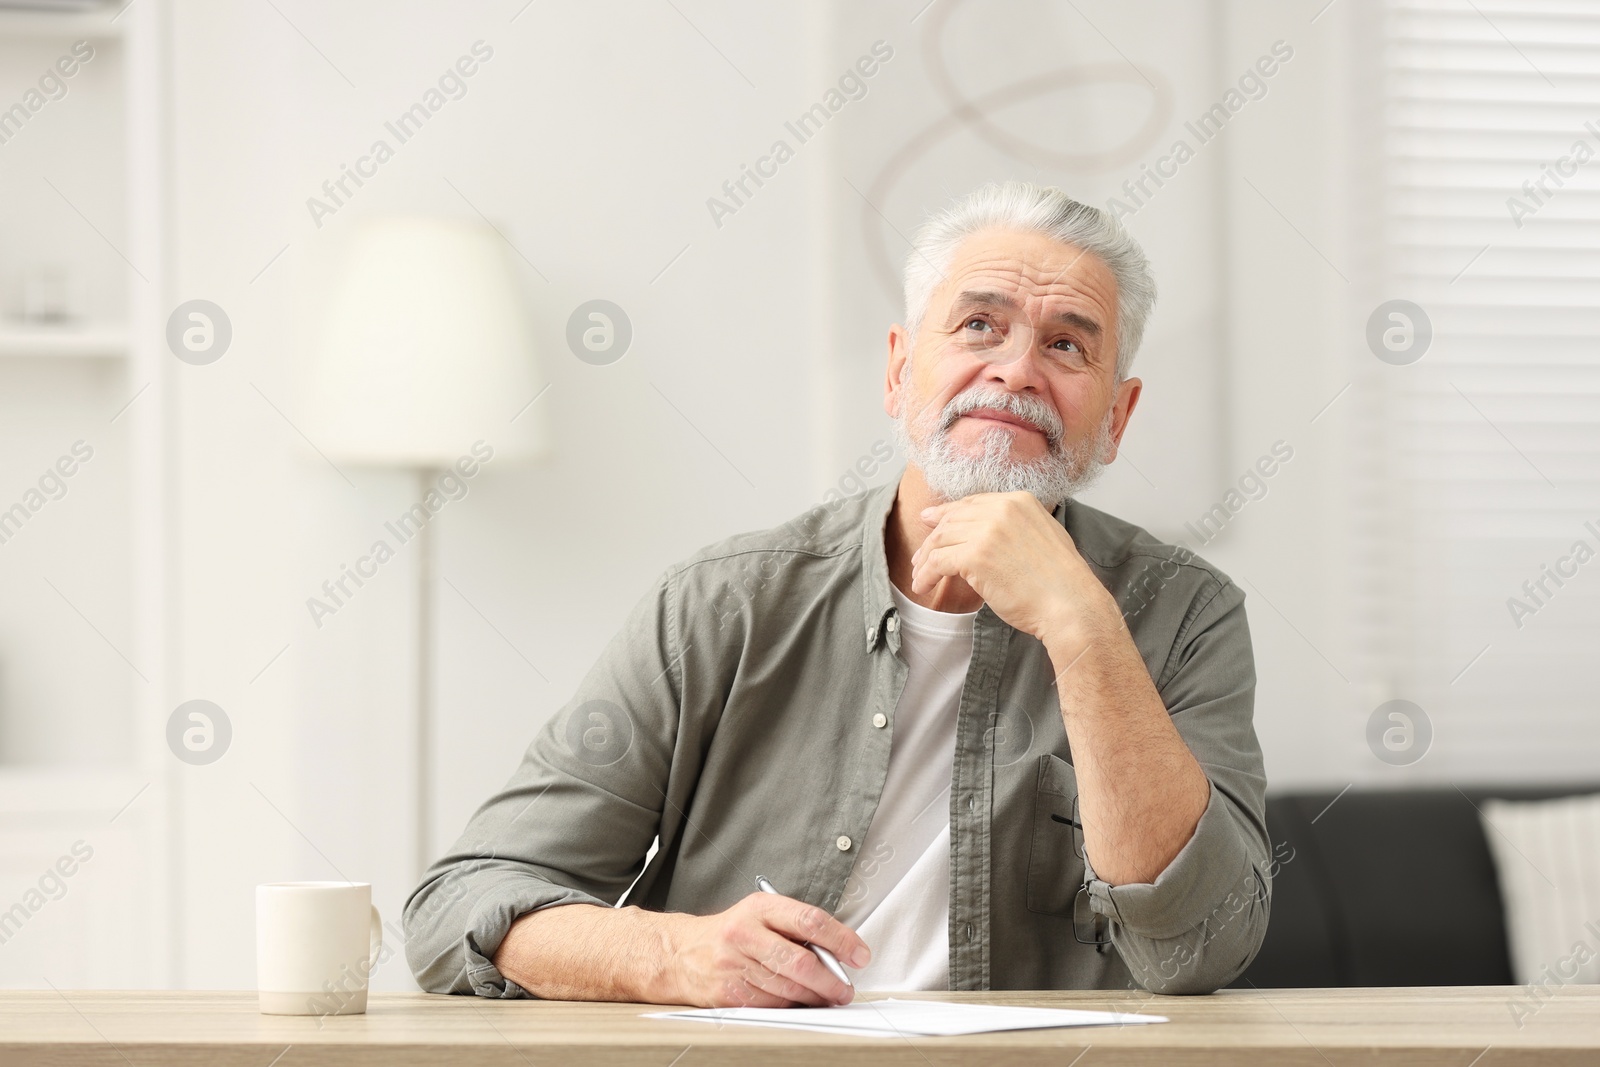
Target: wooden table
[{"x": 1458, "y": 1027}]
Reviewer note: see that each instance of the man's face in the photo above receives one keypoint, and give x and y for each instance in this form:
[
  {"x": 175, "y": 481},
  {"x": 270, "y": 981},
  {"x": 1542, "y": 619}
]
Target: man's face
[{"x": 1013, "y": 381}]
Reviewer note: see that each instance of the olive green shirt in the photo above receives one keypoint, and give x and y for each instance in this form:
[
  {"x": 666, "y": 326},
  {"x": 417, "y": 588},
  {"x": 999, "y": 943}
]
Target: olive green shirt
[{"x": 742, "y": 718}]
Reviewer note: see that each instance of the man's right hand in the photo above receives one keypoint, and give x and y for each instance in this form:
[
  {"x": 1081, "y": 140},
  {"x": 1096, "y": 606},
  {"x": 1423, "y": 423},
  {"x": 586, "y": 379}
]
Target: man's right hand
[{"x": 754, "y": 955}]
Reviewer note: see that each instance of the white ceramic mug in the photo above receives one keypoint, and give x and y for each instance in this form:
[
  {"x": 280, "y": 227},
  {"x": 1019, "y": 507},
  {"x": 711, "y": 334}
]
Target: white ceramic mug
[{"x": 316, "y": 946}]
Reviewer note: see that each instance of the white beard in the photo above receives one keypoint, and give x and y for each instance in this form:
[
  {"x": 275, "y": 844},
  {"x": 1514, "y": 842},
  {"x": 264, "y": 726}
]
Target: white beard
[{"x": 1062, "y": 473}]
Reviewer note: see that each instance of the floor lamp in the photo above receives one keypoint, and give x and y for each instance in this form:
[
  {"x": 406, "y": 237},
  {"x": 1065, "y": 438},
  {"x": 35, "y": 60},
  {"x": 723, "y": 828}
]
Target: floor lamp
[{"x": 427, "y": 349}]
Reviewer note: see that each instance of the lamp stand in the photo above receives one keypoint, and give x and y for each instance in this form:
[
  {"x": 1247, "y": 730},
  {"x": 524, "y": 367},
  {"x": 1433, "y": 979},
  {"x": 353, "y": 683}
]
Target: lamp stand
[{"x": 424, "y": 680}]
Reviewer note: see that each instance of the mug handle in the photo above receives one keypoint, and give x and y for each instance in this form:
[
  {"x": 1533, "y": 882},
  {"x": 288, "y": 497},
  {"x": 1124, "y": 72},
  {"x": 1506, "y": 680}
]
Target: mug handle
[{"x": 374, "y": 942}]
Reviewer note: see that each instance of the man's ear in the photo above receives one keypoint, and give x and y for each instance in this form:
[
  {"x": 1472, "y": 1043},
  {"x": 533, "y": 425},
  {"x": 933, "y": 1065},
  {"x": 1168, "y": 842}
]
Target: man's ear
[
  {"x": 1121, "y": 411},
  {"x": 894, "y": 369}
]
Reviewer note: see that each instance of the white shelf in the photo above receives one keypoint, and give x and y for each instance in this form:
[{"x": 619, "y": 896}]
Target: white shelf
[
  {"x": 36, "y": 24},
  {"x": 62, "y": 342},
  {"x": 50, "y": 790}
]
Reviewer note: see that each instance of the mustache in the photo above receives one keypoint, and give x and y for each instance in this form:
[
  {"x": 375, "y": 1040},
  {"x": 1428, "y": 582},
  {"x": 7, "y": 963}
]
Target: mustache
[{"x": 1027, "y": 408}]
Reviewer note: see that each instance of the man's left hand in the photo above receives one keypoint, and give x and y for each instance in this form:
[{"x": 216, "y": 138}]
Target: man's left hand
[{"x": 1021, "y": 561}]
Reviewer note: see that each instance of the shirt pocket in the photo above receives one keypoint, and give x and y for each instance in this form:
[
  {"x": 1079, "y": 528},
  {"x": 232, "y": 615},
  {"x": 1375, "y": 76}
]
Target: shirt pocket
[{"x": 1054, "y": 871}]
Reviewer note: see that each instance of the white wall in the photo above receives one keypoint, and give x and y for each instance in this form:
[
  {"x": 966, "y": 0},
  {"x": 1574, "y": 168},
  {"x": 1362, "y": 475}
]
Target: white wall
[{"x": 1291, "y": 350}]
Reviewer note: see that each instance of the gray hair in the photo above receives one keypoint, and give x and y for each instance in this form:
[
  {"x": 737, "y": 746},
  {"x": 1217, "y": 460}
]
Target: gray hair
[{"x": 1050, "y": 212}]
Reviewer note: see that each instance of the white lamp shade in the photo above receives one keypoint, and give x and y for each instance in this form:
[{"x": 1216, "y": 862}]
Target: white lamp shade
[{"x": 426, "y": 350}]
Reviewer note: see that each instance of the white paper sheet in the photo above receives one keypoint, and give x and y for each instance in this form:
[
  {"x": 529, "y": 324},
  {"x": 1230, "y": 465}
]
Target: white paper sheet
[{"x": 909, "y": 1018}]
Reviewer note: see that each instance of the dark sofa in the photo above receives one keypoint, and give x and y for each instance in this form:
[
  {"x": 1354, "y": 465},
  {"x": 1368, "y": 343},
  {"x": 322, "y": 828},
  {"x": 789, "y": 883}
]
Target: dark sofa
[{"x": 1392, "y": 888}]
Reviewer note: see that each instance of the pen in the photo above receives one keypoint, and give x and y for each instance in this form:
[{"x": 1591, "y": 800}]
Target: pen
[{"x": 823, "y": 954}]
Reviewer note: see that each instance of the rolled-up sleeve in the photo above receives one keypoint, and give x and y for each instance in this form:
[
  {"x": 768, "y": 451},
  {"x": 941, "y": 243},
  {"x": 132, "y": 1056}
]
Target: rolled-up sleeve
[
  {"x": 574, "y": 823},
  {"x": 1198, "y": 925}
]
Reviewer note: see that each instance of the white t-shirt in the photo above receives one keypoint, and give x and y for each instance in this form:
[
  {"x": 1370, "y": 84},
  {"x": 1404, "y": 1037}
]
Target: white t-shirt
[{"x": 898, "y": 895}]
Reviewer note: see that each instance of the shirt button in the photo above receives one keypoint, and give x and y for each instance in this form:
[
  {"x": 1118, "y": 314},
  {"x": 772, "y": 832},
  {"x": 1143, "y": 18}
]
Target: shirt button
[
  {"x": 894, "y": 623},
  {"x": 843, "y": 843},
  {"x": 880, "y": 720},
  {"x": 972, "y": 804}
]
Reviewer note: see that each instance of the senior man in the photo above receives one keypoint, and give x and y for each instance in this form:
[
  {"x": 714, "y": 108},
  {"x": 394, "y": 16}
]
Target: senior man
[{"x": 977, "y": 734}]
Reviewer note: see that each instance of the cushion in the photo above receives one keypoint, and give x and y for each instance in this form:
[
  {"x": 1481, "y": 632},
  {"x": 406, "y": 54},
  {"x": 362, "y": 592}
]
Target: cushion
[{"x": 1547, "y": 856}]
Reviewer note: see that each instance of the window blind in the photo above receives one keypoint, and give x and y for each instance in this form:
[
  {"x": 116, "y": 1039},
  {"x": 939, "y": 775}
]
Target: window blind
[{"x": 1490, "y": 164}]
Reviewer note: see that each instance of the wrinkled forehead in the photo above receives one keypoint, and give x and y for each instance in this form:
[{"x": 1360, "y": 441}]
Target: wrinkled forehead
[{"x": 1040, "y": 275}]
